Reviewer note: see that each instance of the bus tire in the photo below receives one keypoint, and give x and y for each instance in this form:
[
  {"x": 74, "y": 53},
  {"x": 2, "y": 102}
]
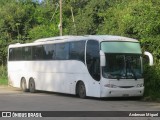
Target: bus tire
[
  {"x": 32, "y": 86},
  {"x": 81, "y": 90},
  {"x": 23, "y": 85}
]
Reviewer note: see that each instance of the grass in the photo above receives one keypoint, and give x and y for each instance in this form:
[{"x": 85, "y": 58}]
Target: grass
[
  {"x": 3, "y": 75},
  {"x": 3, "y": 81}
]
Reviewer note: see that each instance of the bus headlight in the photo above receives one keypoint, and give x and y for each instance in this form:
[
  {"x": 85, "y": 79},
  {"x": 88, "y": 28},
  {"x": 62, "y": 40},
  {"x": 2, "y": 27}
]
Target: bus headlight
[
  {"x": 110, "y": 85},
  {"x": 140, "y": 85}
]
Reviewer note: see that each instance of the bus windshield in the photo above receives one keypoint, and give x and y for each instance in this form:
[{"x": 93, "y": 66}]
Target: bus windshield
[
  {"x": 123, "y": 60},
  {"x": 126, "y": 66}
]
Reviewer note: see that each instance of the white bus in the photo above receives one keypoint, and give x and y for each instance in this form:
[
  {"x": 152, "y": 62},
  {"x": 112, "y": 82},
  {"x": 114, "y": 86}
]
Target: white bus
[{"x": 93, "y": 65}]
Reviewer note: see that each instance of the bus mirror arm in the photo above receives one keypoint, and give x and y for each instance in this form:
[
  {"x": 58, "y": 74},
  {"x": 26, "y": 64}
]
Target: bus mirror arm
[
  {"x": 102, "y": 59},
  {"x": 150, "y": 56}
]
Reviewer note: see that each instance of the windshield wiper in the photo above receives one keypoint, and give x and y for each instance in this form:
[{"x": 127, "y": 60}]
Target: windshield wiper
[
  {"x": 134, "y": 74},
  {"x": 119, "y": 76}
]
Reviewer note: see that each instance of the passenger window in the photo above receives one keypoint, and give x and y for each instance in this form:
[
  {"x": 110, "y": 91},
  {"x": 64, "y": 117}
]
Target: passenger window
[
  {"x": 11, "y": 54},
  {"x": 77, "y": 50},
  {"x": 27, "y": 53},
  {"x": 15, "y": 54},
  {"x": 49, "y": 52},
  {"x": 38, "y": 52},
  {"x": 62, "y": 51}
]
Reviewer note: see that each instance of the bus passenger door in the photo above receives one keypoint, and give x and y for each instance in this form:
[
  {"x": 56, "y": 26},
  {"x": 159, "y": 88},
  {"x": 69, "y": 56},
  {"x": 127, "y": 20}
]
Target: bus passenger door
[{"x": 93, "y": 66}]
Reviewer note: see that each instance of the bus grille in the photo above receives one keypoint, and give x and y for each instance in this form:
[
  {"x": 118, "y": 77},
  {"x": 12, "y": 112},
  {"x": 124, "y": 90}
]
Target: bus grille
[{"x": 126, "y": 86}]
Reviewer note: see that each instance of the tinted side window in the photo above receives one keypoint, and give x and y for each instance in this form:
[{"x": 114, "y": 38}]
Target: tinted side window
[
  {"x": 11, "y": 54},
  {"x": 18, "y": 53},
  {"x": 77, "y": 50},
  {"x": 15, "y": 54},
  {"x": 49, "y": 53},
  {"x": 38, "y": 52},
  {"x": 21, "y": 53},
  {"x": 62, "y": 51},
  {"x": 27, "y": 53},
  {"x": 93, "y": 59}
]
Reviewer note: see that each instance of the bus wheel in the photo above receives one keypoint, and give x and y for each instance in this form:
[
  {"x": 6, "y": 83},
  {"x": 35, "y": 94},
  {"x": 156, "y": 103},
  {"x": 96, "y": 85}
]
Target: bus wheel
[
  {"x": 81, "y": 90},
  {"x": 23, "y": 85},
  {"x": 32, "y": 87}
]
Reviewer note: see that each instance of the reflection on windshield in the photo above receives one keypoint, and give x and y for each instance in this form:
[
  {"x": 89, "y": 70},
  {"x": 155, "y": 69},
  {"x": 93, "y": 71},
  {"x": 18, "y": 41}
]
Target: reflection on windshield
[{"x": 126, "y": 66}]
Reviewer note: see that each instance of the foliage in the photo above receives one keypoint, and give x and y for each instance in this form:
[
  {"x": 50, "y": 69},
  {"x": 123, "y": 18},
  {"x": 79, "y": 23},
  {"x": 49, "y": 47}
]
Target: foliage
[
  {"x": 88, "y": 17},
  {"x": 152, "y": 82},
  {"x": 3, "y": 52},
  {"x": 43, "y": 31},
  {"x": 3, "y": 75}
]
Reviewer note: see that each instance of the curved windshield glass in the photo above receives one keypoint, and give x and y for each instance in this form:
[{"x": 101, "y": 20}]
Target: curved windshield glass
[
  {"x": 121, "y": 47},
  {"x": 126, "y": 66}
]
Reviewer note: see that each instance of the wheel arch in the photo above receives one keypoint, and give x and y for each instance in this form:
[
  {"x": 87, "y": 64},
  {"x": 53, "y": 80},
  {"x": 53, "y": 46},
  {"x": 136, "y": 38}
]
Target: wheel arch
[
  {"x": 23, "y": 84},
  {"x": 31, "y": 78},
  {"x": 26, "y": 79},
  {"x": 21, "y": 81},
  {"x": 32, "y": 89},
  {"x": 76, "y": 88}
]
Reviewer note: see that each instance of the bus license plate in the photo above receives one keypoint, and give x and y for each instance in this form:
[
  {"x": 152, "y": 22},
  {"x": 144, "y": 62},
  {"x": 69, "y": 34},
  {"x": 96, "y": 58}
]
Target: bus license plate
[{"x": 125, "y": 95}]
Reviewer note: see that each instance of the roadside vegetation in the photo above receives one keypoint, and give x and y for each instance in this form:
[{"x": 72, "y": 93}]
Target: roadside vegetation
[
  {"x": 152, "y": 83},
  {"x": 26, "y": 20},
  {"x": 3, "y": 76}
]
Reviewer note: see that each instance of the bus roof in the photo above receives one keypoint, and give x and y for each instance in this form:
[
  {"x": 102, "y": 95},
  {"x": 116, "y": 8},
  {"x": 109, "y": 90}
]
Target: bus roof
[
  {"x": 96, "y": 37},
  {"x": 59, "y": 39}
]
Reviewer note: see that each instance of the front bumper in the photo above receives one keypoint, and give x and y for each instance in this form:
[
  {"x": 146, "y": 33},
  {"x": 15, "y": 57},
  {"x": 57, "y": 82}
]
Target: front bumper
[{"x": 122, "y": 92}]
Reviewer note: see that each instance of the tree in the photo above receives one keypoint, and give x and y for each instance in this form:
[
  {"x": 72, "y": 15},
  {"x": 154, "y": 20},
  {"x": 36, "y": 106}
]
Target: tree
[{"x": 88, "y": 16}]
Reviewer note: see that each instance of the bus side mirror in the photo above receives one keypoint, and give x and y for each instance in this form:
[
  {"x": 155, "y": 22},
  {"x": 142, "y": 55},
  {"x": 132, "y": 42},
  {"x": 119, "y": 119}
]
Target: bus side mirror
[
  {"x": 102, "y": 59},
  {"x": 150, "y": 56}
]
